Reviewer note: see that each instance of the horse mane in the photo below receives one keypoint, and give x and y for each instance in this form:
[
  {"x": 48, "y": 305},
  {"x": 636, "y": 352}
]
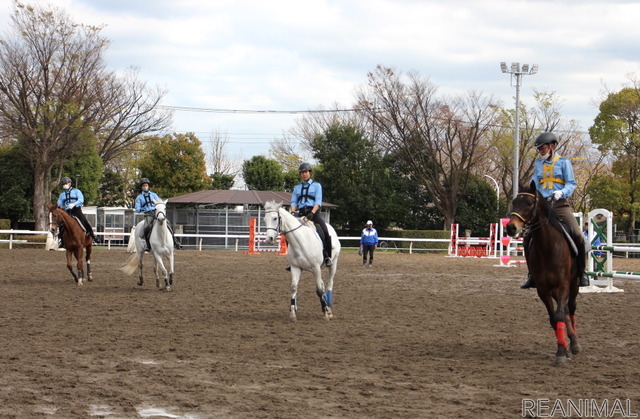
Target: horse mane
[
  {"x": 272, "y": 206},
  {"x": 61, "y": 212},
  {"x": 545, "y": 208}
]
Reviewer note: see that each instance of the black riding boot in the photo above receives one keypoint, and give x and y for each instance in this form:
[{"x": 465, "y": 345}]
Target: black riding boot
[
  {"x": 584, "y": 280},
  {"x": 528, "y": 283},
  {"x": 147, "y": 233},
  {"x": 327, "y": 254}
]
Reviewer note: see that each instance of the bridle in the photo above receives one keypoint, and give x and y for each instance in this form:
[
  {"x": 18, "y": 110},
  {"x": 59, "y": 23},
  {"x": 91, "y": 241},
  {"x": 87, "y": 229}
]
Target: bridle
[
  {"x": 527, "y": 223},
  {"x": 278, "y": 228},
  {"x": 535, "y": 196},
  {"x": 55, "y": 221},
  {"x": 157, "y": 213}
]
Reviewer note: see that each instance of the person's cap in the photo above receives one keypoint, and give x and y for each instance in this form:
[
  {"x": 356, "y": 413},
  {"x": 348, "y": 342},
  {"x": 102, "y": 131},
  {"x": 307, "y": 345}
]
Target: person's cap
[{"x": 369, "y": 222}]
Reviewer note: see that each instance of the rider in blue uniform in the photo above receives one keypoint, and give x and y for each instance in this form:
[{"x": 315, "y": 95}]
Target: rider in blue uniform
[
  {"x": 71, "y": 200},
  {"x": 307, "y": 200},
  {"x": 554, "y": 179},
  {"x": 145, "y": 203}
]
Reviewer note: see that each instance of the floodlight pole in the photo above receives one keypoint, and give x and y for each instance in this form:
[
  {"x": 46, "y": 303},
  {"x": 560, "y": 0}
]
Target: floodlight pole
[{"x": 517, "y": 73}]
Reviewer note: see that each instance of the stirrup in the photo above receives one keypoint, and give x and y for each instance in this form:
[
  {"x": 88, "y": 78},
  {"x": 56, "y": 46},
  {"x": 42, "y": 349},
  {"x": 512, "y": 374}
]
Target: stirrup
[{"x": 328, "y": 262}]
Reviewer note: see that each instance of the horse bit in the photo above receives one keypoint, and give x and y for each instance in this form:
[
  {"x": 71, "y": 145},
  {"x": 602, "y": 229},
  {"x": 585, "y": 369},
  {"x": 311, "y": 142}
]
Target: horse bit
[{"x": 278, "y": 229}]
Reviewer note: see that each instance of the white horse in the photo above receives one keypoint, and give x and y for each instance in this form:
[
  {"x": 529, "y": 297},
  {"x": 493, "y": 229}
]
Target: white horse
[
  {"x": 305, "y": 253},
  {"x": 161, "y": 246}
]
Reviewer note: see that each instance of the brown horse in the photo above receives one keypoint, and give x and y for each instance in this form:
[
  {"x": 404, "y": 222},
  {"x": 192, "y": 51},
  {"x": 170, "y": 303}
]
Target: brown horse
[
  {"x": 552, "y": 264},
  {"x": 75, "y": 241}
]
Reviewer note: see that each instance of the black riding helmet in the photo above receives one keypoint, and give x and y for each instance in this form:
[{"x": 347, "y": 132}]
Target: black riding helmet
[
  {"x": 305, "y": 167},
  {"x": 65, "y": 180},
  {"x": 145, "y": 180},
  {"x": 546, "y": 138}
]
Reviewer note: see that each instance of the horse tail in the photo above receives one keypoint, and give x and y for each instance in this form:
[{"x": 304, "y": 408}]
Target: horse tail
[{"x": 131, "y": 265}]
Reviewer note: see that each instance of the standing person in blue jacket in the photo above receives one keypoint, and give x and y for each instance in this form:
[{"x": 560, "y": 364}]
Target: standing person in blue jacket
[
  {"x": 71, "y": 200},
  {"x": 554, "y": 179},
  {"x": 145, "y": 202},
  {"x": 307, "y": 200},
  {"x": 368, "y": 242}
]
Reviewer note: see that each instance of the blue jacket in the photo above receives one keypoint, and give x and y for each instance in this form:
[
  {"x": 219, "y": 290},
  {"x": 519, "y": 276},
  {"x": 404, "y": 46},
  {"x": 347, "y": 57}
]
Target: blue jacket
[
  {"x": 70, "y": 196},
  {"x": 369, "y": 237},
  {"x": 144, "y": 201},
  {"x": 559, "y": 176},
  {"x": 306, "y": 194}
]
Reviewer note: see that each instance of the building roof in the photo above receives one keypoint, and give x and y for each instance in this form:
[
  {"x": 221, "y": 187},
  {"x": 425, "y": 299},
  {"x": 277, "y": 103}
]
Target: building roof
[{"x": 235, "y": 197}]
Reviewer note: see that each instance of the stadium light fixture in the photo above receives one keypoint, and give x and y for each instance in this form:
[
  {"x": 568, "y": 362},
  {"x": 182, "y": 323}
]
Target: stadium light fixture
[{"x": 517, "y": 73}]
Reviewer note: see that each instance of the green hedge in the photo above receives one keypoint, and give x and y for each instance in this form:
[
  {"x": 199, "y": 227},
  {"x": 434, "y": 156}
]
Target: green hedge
[{"x": 4, "y": 225}]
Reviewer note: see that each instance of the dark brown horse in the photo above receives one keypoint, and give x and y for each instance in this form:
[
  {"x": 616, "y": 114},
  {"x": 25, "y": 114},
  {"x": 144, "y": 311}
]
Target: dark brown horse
[
  {"x": 552, "y": 264},
  {"x": 75, "y": 241}
]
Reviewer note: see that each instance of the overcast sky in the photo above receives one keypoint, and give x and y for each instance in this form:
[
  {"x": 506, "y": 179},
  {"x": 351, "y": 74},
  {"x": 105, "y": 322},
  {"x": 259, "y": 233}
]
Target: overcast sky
[{"x": 281, "y": 55}]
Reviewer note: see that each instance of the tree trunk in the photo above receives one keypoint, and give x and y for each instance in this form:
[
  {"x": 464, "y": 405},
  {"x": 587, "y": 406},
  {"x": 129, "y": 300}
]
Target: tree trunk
[{"x": 41, "y": 194}]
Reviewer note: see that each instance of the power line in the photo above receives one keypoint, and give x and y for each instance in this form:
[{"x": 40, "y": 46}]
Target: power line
[{"x": 250, "y": 111}]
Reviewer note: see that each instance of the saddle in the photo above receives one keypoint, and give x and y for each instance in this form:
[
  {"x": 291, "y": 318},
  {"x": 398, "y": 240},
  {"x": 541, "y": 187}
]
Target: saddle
[{"x": 316, "y": 226}]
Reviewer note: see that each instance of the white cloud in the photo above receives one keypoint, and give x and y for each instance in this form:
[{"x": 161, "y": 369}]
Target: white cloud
[{"x": 293, "y": 55}]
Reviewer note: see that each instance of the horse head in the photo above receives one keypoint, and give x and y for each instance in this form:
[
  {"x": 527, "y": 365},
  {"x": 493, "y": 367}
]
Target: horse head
[
  {"x": 523, "y": 209},
  {"x": 55, "y": 218},
  {"x": 272, "y": 220},
  {"x": 161, "y": 211}
]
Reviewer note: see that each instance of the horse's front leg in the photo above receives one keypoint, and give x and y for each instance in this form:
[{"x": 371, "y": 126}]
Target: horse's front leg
[
  {"x": 328, "y": 293},
  {"x": 570, "y": 321},
  {"x": 159, "y": 268},
  {"x": 169, "y": 281},
  {"x": 326, "y": 310},
  {"x": 560, "y": 318},
  {"x": 70, "y": 265},
  {"x": 295, "y": 278}
]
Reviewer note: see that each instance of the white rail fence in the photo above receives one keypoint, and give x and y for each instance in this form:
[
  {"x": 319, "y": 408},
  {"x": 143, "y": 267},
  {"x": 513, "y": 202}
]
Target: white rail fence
[{"x": 119, "y": 240}]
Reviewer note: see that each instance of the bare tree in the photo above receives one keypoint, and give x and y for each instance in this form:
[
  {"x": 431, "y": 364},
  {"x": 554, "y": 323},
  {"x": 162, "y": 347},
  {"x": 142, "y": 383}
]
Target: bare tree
[
  {"x": 56, "y": 95},
  {"x": 218, "y": 159},
  {"x": 128, "y": 112},
  {"x": 47, "y": 75},
  {"x": 295, "y": 146},
  {"x": 442, "y": 141}
]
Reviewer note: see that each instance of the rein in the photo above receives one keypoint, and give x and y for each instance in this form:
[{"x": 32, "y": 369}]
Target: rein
[
  {"x": 279, "y": 226},
  {"x": 528, "y": 223},
  {"x": 55, "y": 220}
]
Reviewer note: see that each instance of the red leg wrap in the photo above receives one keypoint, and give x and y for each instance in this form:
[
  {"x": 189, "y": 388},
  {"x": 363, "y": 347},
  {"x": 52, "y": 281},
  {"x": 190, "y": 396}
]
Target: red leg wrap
[{"x": 560, "y": 334}]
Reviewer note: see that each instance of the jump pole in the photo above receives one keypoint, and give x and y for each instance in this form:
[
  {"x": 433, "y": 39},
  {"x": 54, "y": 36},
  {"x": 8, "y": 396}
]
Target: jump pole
[{"x": 253, "y": 239}]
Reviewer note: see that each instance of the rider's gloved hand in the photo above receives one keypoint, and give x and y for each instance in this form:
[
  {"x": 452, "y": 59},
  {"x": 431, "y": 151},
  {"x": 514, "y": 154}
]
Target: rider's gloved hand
[
  {"x": 557, "y": 195},
  {"x": 70, "y": 206}
]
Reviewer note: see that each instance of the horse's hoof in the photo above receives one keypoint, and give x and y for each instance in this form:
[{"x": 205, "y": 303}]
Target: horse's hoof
[
  {"x": 168, "y": 289},
  {"x": 575, "y": 348},
  {"x": 560, "y": 360}
]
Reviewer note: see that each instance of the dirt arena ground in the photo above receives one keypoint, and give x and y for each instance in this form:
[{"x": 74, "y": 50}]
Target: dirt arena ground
[{"x": 415, "y": 336}]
